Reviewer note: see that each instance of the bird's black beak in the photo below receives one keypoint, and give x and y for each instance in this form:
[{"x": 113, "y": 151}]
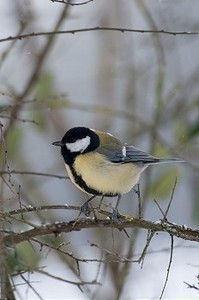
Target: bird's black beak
[{"x": 58, "y": 143}]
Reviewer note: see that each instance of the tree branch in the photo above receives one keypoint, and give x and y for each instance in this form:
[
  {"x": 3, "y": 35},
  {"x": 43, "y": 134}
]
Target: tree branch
[
  {"x": 72, "y": 4},
  {"x": 97, "y": 28},
  {"x": 33, "y": 173},
  {"x": 179, "y": 231},
  {"x": 168, "y": 269}
]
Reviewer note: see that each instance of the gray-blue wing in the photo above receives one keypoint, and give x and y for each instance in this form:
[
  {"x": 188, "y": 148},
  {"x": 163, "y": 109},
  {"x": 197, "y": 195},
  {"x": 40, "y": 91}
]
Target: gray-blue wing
[
  {"x": 132, "y": 154},
  {"x": 128, "y": 154}
]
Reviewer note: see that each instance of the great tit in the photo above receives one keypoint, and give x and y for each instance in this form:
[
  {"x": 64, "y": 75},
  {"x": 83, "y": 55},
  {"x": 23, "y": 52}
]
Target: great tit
[{"x": 101, "y": 165}]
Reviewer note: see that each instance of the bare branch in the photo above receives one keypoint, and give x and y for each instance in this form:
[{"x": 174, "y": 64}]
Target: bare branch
[
  {"x": 179, "y": 231},
  {"x": 30, "y": 82},
  {"x": 159, "y": 207},
  {"x": 19, "y": 119},
  {"x": 30, "y": 286},
  {"x": 38, "y": 208},
  {"x": 169, "y": 267},
  {"x": 140, "y": 211},
  {"x": 65, "y": 280},
  {"x": 71, "y": 255},
  {"x": 171, "y": 198},
  {"x": 72, "y": 4},
  {"x": 148, "y": 240},
  {"x": 33, "y": 173},
  {"x": 119, "y": 257},
  {"x": 97, "y": 28},
  {"x": 164, "y": 214},
  {"x": 191, "y": 286}
]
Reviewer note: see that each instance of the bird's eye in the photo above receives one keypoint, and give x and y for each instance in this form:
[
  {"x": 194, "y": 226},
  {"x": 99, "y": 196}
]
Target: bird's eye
[{"x": 72, "y": 140}]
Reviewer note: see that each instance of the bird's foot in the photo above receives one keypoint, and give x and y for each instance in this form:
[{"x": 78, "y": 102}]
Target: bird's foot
[
  {"x": 116, "y": 216},
  {"x": 84, "y": 209}
]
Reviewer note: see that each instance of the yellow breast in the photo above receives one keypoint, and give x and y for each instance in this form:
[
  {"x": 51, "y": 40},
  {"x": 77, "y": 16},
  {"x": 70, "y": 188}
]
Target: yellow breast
[{"x": 105, "y": 177}]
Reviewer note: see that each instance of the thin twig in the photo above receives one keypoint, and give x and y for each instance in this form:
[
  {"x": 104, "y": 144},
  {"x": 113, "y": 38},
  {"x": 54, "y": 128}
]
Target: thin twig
[
  {"x": 159, "y": 207},
  {"x": 111, "y": 253},
  {"x": 164, "y": 214},
  {"x": 19, "y": 198},
  {"x": 5, "y": 151},
  {"x": 38, "y": 208},
  {"x": 31, "y": 80},
  {"x": 20, "y": 119},
  {"x": 71, "y": 255},
  {"x": 66, "y": 280},
  {"x": 140, "y": 212},
  {"x": 33, "y": 173},
  {"x": 30, "y": 285},
  {"x": 168, "y": 268},
  {"x": 191, "y": 286},
  {"x": 72, "y": 4},
  {"x": 97, "y": 28},
  {"x": 171, "y": 199},
  {"x": 149, "y": 238}
]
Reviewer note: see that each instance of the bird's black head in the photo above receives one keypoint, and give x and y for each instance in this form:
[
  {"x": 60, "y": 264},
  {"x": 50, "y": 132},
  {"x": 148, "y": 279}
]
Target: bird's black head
[{"x": 77, "y": 140}]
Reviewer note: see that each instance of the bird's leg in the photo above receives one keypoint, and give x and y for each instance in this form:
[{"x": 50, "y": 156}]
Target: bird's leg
[
  {"x": 84, "y": 208},
  {"x": 118, "y": 201},
  {"x": 115, "y": 213},
  {"x": 101, "y": 202}
]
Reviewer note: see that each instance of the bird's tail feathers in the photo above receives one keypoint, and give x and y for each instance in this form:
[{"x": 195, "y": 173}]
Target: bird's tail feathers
[{"x": 166, "y": 160}]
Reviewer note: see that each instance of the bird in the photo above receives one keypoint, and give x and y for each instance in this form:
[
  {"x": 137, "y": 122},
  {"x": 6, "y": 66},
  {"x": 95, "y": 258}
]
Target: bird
[{"x": 99, "y": 164}]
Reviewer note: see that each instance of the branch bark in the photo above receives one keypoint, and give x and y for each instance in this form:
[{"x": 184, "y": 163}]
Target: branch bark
[{"x": 180, "y": 231}]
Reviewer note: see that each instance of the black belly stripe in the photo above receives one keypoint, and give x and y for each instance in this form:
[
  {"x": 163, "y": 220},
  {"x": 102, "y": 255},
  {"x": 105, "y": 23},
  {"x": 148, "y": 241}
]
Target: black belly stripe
[{"x": 82, "y": 184}]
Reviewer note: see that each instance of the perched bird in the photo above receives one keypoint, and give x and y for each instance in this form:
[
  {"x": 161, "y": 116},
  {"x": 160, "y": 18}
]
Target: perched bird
[{"x": 101, "y": 165}]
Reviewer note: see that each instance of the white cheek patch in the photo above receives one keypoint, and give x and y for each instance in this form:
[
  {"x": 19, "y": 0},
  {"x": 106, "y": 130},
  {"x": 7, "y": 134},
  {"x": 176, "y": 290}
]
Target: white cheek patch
[{"x": 80, "y": 145}]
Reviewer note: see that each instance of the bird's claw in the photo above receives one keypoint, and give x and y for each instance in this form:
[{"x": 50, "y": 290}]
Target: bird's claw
[
  {"x": 116, "y": 216},
  {"x": 85, "y": 209}
]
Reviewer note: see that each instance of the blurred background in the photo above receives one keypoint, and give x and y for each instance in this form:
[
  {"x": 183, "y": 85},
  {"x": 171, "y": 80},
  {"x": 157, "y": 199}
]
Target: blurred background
[{"x": 141, "y": 87}]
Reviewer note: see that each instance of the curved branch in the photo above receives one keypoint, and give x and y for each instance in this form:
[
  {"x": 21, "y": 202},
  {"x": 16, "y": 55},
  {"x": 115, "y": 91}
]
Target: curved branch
[
  {"x": 72, "y": 4},
  {"x": 179, "y": 231},
  {"x": 97, "y": 28}
]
